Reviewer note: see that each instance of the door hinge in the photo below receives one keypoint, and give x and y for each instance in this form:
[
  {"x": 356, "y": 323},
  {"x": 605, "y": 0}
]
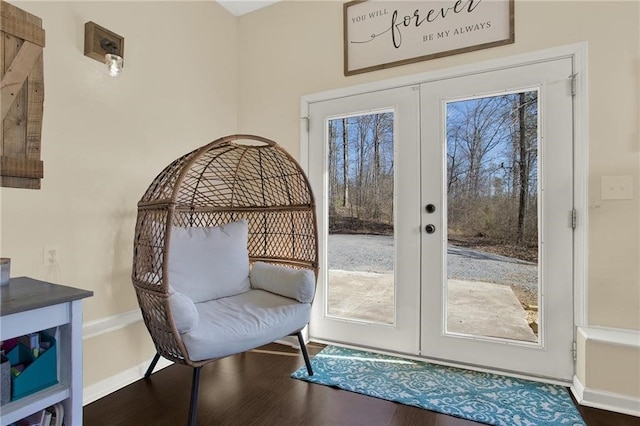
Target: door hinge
[
  {"x": 575, "y": 351},
  {"x": 574, "y": 219},
  {"x": 574, "y": 84},
  {"x": 306, "y": 121}
]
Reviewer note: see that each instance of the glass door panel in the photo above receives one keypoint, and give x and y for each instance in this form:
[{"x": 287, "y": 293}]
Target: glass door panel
[
  {"x": 361, "y": 243},
  {"x": 492, "y": 215}
]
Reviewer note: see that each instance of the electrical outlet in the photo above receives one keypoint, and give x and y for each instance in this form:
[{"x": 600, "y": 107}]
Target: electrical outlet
[
  {"x": 616, "y": 188},
  {"x": 50, "y": 254}
]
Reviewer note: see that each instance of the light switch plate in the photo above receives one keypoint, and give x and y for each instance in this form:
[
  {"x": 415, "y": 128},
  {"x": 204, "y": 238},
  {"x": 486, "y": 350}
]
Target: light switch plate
[{"x": 616, "y": 188}]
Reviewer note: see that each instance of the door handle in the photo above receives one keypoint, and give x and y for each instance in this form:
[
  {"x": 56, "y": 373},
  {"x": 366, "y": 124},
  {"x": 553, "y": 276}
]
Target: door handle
[
  {"x": 430, "y": 229},
  {"x": 430, "y": 208}
]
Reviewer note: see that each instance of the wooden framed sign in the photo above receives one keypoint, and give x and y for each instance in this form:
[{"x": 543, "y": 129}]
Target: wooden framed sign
[{"x": 383, "y": 34}]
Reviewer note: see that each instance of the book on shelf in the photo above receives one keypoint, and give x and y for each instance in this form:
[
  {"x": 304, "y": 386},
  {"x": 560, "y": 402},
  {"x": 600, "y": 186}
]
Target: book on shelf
[
  {"x": 51, "y": 416},
  {"x": 57, "y": 412},
  {"x": 35, "y": 419}
]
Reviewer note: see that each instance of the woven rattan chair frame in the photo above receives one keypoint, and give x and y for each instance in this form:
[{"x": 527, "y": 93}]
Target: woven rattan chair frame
[{"x": 234, "y": 177}]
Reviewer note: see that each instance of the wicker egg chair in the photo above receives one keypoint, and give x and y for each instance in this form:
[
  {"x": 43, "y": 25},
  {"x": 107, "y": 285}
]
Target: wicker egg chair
[{"x": 238, "y": 177}]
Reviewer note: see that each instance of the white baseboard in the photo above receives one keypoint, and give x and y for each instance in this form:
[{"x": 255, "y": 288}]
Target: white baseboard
[
  {"x": 612, "y": 336},
  {"x": 605, "y": 400},
  {"x": 596, "y": 398},
  {"x": 585, "y": 396},
  {"x": 106, "y": 325},
  {"x": 91, "y": 329},
  {"x": 105, "y": 387}
]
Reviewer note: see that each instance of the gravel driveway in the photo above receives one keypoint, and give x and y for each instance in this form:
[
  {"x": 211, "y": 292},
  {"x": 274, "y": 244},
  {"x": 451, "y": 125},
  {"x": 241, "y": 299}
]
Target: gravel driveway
[{"x": 374, "y": 253}]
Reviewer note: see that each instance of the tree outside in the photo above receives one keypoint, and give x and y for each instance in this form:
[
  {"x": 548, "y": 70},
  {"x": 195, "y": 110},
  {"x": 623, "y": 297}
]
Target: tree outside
[
  {"x": 491, "y": 182},
  {"x": 491, "y": 177}
]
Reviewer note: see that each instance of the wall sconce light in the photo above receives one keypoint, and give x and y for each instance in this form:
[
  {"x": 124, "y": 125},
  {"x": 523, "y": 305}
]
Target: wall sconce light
[{"x": 104, "y": 46}]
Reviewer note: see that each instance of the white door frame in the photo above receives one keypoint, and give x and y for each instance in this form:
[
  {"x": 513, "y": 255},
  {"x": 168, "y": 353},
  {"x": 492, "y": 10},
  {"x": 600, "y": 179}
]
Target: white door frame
[{"x": 578, "y": 53}]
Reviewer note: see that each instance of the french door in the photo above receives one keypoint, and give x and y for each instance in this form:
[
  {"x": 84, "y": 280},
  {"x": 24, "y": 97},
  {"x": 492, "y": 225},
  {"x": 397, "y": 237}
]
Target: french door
[
  {"x": 444, "y": 219},
  {"x": 372, "y": 303},
  {"x": 516, "y": 125}
]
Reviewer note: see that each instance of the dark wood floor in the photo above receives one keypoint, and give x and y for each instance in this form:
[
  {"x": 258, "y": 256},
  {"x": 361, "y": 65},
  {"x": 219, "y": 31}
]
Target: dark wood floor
[{"x": 254, "y": 388}]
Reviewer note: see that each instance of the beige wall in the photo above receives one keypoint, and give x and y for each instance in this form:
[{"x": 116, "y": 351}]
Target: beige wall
[
  {"x": 613, "y": 368},
  {"x": 293, "y": 49},
  {"x": 104, "y": 140},
  {"x": 193, "y": 72}
]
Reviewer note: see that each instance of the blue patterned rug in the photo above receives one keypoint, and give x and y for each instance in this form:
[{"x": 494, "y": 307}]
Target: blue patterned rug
[{"x": 482, "y": 397}]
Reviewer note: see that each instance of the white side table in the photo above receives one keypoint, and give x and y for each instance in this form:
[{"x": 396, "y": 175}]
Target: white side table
[{"x": 27, "y": 306}]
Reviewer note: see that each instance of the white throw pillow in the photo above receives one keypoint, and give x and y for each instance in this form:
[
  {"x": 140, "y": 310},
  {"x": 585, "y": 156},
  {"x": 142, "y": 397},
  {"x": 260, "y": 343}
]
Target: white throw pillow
[
  {"x": 298, "y": 284},
  {"x": 184, "y": 312},
  {"x": 207, "y": 263}
]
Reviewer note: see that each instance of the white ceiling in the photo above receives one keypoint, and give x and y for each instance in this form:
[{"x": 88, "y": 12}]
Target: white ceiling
[{"x": 241, "y": 7}]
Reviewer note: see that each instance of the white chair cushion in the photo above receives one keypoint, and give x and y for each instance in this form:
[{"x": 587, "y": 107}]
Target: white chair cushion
[
  {"x": 236, "y": 324},
  {"x": 184, "y": 311},
  {"x": 207, "y": 263},
  {"x": 298, "y": 284}
]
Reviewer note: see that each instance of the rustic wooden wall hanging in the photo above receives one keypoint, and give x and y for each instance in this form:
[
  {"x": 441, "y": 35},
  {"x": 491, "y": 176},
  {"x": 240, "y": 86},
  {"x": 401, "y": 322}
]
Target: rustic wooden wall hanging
[{"x": 22, "y": 97}]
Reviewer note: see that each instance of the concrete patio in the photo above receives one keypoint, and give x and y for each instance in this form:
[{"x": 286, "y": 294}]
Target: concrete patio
[{"x": 474, "y": 308}]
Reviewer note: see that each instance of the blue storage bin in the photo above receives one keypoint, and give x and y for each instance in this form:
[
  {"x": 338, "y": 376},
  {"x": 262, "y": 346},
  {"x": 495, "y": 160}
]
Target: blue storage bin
[{"x": 39, "y": 373}]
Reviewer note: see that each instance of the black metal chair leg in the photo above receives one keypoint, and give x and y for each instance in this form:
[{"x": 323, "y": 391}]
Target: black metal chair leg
[
  {"x": 305, "y": 354},
  {"x": 195, "y": 385},
  {"x": 152, "y": 366}
]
